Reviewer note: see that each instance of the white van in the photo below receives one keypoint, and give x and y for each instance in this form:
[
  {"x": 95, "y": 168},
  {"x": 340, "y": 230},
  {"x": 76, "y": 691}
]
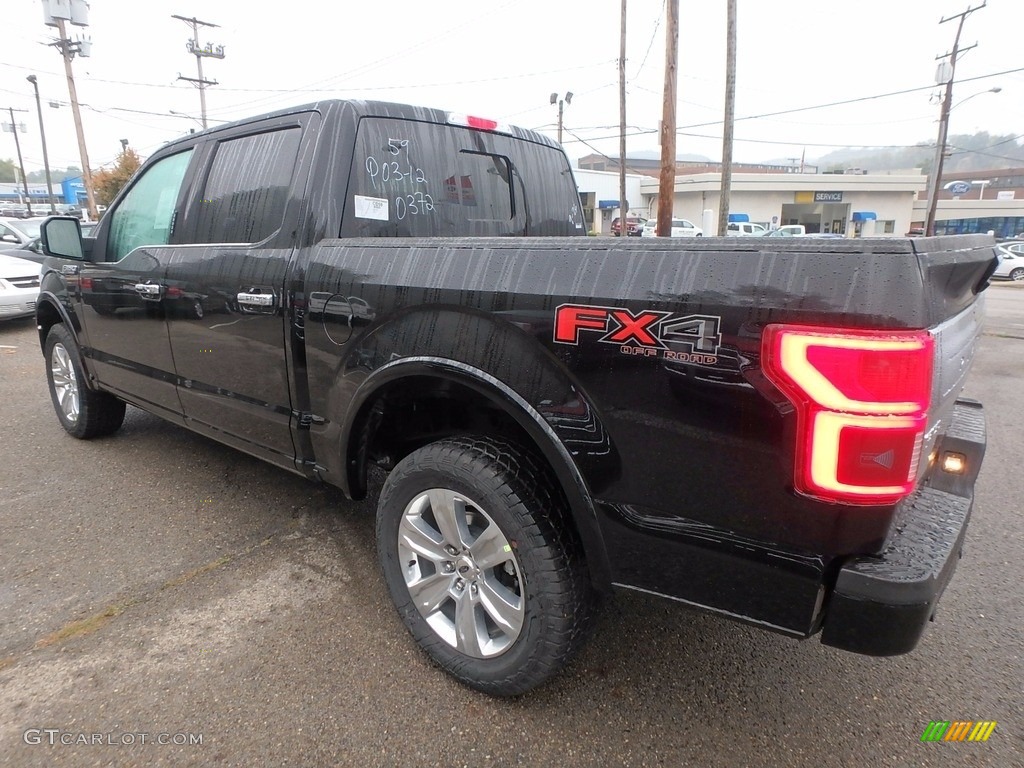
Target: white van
[{"x": 744, "y": 229}]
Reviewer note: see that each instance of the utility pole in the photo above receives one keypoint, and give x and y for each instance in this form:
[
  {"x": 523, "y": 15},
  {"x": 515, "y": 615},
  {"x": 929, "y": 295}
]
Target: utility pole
[
  {"x": 42, "y": 136},
  {"x": 729, "y": 119},
  {"x": 21, "y": 163},
  {"x": 623, "y": 203},
  {"x": 947, "y": 101},
  {"x": 667, "y": 182},
  {"x": 68, "y": 50},
  {"x": 210, "y": 51}
]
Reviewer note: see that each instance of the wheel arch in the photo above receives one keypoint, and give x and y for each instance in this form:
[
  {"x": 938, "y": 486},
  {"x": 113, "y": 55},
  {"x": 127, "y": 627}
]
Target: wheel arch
[
  {"x": 525, "y": 424},
  {"x": 51, "y": 311}
]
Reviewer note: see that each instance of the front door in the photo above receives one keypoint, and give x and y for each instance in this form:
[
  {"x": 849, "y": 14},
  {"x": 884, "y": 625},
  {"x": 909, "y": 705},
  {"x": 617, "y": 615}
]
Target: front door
[{"x": 120, "y": 299}]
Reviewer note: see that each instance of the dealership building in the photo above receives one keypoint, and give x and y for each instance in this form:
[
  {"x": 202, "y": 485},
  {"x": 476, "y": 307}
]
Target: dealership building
[{"x": 852, "y": 204}]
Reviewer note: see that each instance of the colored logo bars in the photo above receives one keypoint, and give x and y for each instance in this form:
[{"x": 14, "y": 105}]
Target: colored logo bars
[{"x": 958, "y": 730}]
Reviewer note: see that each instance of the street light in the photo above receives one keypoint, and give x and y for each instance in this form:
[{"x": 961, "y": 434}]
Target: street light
[
  {"x": 42, "y": 136},
  {"x": 940, "y": 151},
  {"x": 561, "y": 105},
  {"x": 190, "y": 117}
]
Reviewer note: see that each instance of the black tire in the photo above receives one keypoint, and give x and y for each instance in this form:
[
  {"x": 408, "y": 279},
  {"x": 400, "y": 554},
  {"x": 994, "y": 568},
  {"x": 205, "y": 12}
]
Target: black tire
[
  {"x": 544, "y": 575},
  {"x": 83, "y": 412}
]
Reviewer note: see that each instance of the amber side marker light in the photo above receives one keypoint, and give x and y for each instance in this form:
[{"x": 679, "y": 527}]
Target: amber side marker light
[{"x": 861, "y": 400}]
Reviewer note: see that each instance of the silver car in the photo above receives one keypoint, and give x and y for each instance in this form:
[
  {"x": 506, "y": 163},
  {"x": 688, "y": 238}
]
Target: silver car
[
  {"x": 1011, "y": 261},
  {"x": 19, "y": 287},
  {"x": 19, "y": 231}
]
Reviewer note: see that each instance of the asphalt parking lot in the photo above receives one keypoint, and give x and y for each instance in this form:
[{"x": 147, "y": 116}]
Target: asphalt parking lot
[{"x": 165, "y": 600}]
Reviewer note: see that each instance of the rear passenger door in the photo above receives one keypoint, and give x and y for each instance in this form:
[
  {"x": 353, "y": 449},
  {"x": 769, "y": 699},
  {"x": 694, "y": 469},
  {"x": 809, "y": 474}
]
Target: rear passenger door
[{"x": 225, "y": 297}]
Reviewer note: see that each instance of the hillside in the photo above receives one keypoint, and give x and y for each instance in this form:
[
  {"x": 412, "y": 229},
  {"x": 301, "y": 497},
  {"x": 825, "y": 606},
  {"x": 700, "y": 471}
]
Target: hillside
[{"x": 968, "y": 152}]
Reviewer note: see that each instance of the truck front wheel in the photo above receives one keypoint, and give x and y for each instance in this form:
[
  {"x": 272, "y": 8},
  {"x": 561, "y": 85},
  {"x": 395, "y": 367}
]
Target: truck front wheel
[
  {"x": 82, "y": 412},
  {"x": 481, "y": 563}
]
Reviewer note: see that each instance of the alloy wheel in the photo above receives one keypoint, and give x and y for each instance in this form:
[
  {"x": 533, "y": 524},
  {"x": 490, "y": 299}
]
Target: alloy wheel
[
  {"x": 65, "y": 383},
  {"x": 461, "y": 573}
]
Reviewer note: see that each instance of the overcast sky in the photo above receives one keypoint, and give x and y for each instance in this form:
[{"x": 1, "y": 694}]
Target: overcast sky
[{"x": 503, "y": 59}]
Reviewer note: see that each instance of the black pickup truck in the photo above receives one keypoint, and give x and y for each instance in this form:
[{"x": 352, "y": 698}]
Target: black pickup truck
[{"x": 770, "y": 430}]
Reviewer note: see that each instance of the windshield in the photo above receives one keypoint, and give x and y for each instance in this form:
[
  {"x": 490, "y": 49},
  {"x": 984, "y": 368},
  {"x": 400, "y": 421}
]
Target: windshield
[{"x": 29, "y": 227}]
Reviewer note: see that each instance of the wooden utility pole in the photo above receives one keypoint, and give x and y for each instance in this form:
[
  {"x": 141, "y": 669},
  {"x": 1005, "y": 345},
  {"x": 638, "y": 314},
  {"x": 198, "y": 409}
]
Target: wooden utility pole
[
  {"x": 623, "y": 203},
  {"x": 216, "y": 52},
  {"x": 667, "y": 182},
  {"x": 947, "y": 101},
  {"x": 67, "y": 51},
  {"x": 729, "y": 118}
]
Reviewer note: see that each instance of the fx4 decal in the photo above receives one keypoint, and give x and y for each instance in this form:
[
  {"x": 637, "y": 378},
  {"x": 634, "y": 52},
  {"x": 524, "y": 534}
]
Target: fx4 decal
[{"x": 651, "y": 333}]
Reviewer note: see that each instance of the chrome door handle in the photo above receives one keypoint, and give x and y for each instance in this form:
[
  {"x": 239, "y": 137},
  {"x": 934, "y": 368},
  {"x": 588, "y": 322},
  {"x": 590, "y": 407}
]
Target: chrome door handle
[
  {"x": 148, "y": 290},
  {"x": 256, "y": 299}
]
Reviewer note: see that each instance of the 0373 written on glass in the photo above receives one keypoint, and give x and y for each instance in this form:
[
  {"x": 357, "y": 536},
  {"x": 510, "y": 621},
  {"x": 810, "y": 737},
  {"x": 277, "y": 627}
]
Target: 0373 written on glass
[{"x": 395, "y": 168}]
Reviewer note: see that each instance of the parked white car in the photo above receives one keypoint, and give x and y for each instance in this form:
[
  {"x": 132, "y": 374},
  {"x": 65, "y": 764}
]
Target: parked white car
[
  {"x": 680, "y": 228},
  {"x": 19, "y": 287},
  {"x": 1011, "y": 262},
  {"x": 788, "y": 230},
  {"x": 744, "y": 229},
  {"x": 20, "y": 231}
]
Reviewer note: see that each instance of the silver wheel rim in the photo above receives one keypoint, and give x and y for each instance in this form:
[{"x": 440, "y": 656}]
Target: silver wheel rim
[
  {"x": 1017, "y": 274},
  {"x": 461, "y": 573},
  {"x": 65, "y": 383}
]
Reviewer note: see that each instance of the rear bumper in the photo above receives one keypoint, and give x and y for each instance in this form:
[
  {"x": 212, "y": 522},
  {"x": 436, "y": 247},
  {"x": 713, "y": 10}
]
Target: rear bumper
[{"x": 881, "y": 605}]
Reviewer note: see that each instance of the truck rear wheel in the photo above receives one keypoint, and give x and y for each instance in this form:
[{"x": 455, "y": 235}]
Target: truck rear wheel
[
  {"x": 82, "y": 412},
  {"x": 481, "y": 563}
]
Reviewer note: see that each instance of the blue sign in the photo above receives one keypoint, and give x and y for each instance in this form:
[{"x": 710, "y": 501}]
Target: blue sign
[{"x": 957, "y": 188}]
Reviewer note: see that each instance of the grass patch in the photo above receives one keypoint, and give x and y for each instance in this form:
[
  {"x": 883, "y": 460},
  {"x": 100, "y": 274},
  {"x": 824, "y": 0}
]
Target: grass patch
[
  {"x": 81, "y": 626},
  {"x": 188, "y": 576}
]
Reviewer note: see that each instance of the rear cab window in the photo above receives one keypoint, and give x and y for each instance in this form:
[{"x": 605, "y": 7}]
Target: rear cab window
[
  {"x": 420, "y": 179},
  {"x": 245, "y": 192}
]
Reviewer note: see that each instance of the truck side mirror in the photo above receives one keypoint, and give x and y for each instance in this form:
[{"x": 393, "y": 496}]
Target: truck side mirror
[{"x": 61, "y": 236}]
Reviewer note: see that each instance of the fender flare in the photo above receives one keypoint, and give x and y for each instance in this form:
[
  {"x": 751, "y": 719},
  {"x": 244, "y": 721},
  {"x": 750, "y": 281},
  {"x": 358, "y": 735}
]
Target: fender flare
[
  {"x": 567, "y": 473},
  {"x": 69, "y": 321}
]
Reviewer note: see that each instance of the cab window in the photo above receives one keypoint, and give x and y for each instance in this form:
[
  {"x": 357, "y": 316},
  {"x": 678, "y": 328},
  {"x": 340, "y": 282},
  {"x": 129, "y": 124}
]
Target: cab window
[
  {"x": 246, "y": 190},
  {"x": 145, "y": 215}
]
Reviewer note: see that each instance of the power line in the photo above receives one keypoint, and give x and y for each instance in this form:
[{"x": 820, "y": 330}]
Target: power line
[{"x": 654, "y": 34}]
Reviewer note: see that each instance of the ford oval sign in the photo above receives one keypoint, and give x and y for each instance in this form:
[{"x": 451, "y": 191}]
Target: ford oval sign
[{"x": 957, "y": 188}]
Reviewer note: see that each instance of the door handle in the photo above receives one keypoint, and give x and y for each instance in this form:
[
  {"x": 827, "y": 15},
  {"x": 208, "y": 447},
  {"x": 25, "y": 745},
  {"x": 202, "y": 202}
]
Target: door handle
[
  {"x": 69, "y": 269},
  {"x": 256, "y": 299},
  {"x": 149, "y": 290}
]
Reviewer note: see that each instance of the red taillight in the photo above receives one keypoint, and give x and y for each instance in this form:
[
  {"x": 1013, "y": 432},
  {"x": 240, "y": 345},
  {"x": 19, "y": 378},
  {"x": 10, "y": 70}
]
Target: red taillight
[{"x": 862, "y": 408}]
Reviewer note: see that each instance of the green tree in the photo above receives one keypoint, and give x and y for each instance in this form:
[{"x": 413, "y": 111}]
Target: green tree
[
  {"x": 107, "y": 182},
  {"x": 7, "y": 173}
]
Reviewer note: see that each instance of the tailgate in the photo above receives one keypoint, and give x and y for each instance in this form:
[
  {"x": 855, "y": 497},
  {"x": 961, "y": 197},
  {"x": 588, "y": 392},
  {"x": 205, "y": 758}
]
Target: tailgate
[{"x": 955, "y": 271}]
